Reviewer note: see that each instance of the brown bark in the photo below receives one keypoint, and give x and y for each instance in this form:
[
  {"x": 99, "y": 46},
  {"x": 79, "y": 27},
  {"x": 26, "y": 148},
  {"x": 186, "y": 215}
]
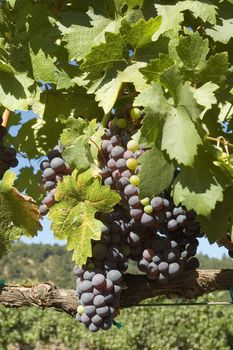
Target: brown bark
[{"x": 189, "y": 285}]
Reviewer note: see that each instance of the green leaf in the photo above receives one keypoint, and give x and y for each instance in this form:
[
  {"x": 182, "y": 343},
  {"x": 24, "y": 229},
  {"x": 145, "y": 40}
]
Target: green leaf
[
  {"x": 19, "y": 214},
  {"x": 14, "y": 91},
  {"x": 134, "y": 3},
  {"x": 140, "y": 33},
  {"x": 174, "y": 123},
  {"x": 103, "y": 57},
  {"x": 205, "y": 96},
  {"x": 201, "y": 186},
  {"x": 80, "y": 197},
  {"x": 222, "y": 33},
  {"x": 192, "y": 51},
  {"x": 43, "y": 66},
  {"x": 157, "y": 66},
  {"x": 215, "y": 69},
  {"x": 76, "y": 139},
  {"x": 206, "y": 11},
  {"x": 28, "y": 182},
  {"x": 156, "y": 173},
  {"x": 109, "y": 88},
  {"x": 155, "y": 108},
  {"x": 81, "y": 38},
  {"x": 216, "y": 225},
  {"x": 180, "y": 136}
]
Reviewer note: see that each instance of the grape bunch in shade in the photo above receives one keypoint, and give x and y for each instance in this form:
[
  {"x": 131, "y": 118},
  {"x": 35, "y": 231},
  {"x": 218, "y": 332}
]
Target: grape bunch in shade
[
  {"x": 53, "y": 168},
  {"x": 99, "y": 297},
  {"x": 7, "y": 154}
]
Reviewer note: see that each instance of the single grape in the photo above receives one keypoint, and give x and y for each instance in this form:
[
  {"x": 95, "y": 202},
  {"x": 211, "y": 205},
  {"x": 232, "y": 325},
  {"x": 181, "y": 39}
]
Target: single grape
[
  {"x": 134, "y": 180},
  {"x": 88, "y": 275},
  {"x": 115, "y": 140},
  {"x": 114, "y": 276},
  {"x": 117, "y": 152},
  {"x": 98, "y": 281},
  {"x": 49, "y": 201},
  {"x": 58, "y": 164},
  {"x": 131, "y": 163},
  {"x": 121, "y": 164},
  {"x": 172, "y": 225},
  {"x": 148, "y": 209},
  {"x": 108, "y": 285},
  {"x": 143, "y": 264},
  {"x": 99, "y": 251},
  {"x": 49, "y": 174},
  {"x": 133, "y": 239},
  {"x": 174, "y": 269},
  {"x": 97, "y": 320},
  {"x": 85, "y": 319},
  {"x": 43, "y": 210},
  {"x": 136, "y": 213},
  {"x": 135, "y": 113},
  {"x": 121, "y": 123},
  {"x": 103, "y": 311},
  {"x": 157, "y": 203},
  {"x": 145, "y": 201},
  {"x": 87, "y": 298},
  {"x": 130, "y": 190},
  {"x": 90, "y": 310},
  {"x": 126, "y": 173},
  {"x": 49, "y": 185},
  {"x": 81, "y": 309},
  {"x": 134, "y": 202},
  {"x": 128, "y": 154},
  {"x": 44, "y": 165},
  {"x": 132, "y": 146},
  {"x": 146, "y": 219},
  {"x": 85, "y": 286},
  {"x": 148, "y": 254},
  {"x": 112, "y": 164},
  {"x": 99, "y": 301},
  {"x": 109, "y": 181}
]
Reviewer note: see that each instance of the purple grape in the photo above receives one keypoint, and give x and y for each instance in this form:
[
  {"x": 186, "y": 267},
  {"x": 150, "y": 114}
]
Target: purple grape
[
  {"x": 117, "y": 152},
  {"x": 99, "y": 301},
  {"x": 49, "y": 174},
  {"x": 103, "y": 311},
  {"x": 130, "y": 191},
  {"x": 114, "y": 276},
  {"x": 87, "y": 298},
  {"x": 98, "y": 281}
]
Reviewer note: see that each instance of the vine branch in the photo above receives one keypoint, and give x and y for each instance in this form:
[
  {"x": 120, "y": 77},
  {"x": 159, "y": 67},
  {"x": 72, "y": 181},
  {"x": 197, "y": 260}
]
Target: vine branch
[{"x": 189, "y": 285}]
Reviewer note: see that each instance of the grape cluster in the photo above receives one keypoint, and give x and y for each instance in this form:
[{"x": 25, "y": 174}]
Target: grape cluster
[
  {"x": 54, "y": 168},
  {"x": 7, "y": 154},
  {"x": 99, "y": 297},
  {"x": 160, "y": 236}
]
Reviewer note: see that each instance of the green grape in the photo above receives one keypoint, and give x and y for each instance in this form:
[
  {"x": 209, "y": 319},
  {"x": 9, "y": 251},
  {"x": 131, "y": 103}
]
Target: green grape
[
  {"x": 80, "y": 309},
  {"x": 91, "y": 266},
  {"x": 121, "y": 123},
  {"x": 135, "y": 113},
  {"x": 132, "y": 146},
  {"x": 145, "y": 201},
  {"x": 131, "y": 163},
  {"x": 134, "y": 180},
  {"x": 148, "y": 209}
]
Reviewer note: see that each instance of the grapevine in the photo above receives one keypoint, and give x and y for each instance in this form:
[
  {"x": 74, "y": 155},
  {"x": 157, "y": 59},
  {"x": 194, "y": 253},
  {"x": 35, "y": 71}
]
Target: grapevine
[{"x": 117, "y": 117}]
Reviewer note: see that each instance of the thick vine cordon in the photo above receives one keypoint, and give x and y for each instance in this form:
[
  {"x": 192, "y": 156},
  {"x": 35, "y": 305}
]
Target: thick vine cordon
[{"x": 159, "y": 236}]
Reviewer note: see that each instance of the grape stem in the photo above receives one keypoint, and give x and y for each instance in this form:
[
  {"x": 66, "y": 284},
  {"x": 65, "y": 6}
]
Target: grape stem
[
  {"x": 100, "y": 152},
  {"x": 5, "y": 117},
  {"x": 220, "y": 140}
]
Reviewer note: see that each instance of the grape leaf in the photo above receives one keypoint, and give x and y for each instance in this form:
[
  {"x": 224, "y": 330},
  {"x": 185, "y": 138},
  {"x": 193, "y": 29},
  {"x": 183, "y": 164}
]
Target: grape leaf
[
  {"x": 79, "y": 197},
  {"x": 215, "y": 69},
  {"x": 153, "y": 70},
  {"x": 216, "y": 225},
  {"x": 222, "y": 33},
  {"x": 206, "y": 11},
  {"x": 140, "y": 33},
  {"x": 43, "y": 66},
  {"x": 156, "y": 173},
  {"x": 134, "y": 3},
  {"x": 192, "y": 51},
  {"x": 28, "y": 182},
  {"x": 104, "y": 56},
  {"x": 14, "y": 91},
  {"x": 205, "y": 96},
  {"x": 91, "y": 31},
  {"x": 77, "y": 141},
  {"x": 180, "y": 137},
  {"x": 19, "y": 214},
  {"x": 109, "y": 88},
  {"x": 200, "y": 187},
  {"x": 155, "y": 108}
]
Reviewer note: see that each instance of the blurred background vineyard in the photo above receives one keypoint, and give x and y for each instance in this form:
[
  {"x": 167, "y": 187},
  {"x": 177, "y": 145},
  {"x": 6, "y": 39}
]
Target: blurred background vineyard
[{"x": 144, "y": 328}]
